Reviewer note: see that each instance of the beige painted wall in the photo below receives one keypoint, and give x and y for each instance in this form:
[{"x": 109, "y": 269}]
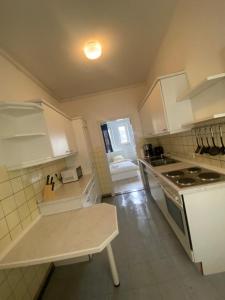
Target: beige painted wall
[
  {"x": 104, "y": 107},
  {"x": 16, "y": 86},
  {"x": 20, "y": 190},
  {"x": 194, "y": 41}
]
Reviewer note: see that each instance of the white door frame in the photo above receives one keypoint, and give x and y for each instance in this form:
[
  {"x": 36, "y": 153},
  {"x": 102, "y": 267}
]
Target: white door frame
[{"x": 103, "y": 145}]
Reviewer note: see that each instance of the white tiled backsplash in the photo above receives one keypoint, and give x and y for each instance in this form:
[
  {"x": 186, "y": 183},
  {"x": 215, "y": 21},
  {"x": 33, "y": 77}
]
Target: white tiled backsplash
[
  {"x": 184, "y": 145},
  {"x": 19, "y": 193}
]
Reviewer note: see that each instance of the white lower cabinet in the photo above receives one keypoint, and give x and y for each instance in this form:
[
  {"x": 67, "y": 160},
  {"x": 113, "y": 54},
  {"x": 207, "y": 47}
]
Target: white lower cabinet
[{"x": 87, "y": 197}]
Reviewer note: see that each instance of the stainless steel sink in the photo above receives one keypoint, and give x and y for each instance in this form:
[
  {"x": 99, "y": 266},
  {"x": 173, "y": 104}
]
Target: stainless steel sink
[{"x": 163, "y": 161}]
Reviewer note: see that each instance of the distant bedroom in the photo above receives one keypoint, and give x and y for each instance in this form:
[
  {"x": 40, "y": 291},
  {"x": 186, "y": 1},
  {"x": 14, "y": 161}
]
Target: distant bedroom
[{"x": 121, "y": 155}]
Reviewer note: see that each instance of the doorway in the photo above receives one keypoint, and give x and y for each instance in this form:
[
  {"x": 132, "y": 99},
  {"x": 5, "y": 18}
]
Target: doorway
[{"x": 120, "y": 148}]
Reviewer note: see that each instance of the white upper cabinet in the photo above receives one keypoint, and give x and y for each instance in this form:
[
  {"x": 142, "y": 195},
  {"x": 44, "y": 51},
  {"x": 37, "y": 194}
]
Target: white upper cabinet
[
  {"x": 33, "y": 133},
  {"x": 146, "y": 120},
  {"x": 157, "y": 110},
  {"x": 70, "y": 135},
  {"x": 161, "y": 113},
  {"x": 56, "y": 131},
  {"x": 84, "y": 147}
]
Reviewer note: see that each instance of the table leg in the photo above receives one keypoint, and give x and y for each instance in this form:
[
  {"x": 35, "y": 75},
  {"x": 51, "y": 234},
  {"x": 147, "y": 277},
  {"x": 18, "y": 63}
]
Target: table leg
[{"x": 113, "y": 267}]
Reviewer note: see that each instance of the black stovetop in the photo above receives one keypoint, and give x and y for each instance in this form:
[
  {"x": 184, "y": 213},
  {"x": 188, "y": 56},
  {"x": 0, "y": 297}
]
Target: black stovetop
[{"x": 193, "y": 176}]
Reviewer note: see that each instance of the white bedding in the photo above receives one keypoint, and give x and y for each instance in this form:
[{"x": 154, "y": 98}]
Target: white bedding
[{"x": 123, "y": 169}]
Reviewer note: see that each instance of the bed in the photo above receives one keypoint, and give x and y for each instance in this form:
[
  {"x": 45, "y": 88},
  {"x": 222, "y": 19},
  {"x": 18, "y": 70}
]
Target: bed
[{"x": 123, "y": 169}]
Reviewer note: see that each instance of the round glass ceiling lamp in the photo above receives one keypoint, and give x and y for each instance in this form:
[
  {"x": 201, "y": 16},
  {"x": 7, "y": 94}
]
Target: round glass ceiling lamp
[{"x": 93, "y": 50}]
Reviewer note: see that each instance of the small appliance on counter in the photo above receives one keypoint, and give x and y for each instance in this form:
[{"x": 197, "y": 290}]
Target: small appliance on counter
[
  {"x": 148, "y": 150},
  {"x": 153, "y": 153},
  {"x": 72, "y": 174}
]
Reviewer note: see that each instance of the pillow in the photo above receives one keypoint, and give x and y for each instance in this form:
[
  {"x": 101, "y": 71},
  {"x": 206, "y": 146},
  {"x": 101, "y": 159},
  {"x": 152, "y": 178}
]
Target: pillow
[{"x": 118, "y": 158}]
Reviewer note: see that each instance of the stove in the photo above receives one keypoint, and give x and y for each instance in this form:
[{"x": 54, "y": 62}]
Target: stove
[{"x": 193, "y": 176}]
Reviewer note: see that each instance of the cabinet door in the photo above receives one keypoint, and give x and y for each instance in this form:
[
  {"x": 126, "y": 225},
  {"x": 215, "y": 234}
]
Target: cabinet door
[
  {"x": 146, "y": 118},
  {"x": 56, "y": 129},
  {"x": 70, "y": 134},
  {"x": 157, "y": 108}
]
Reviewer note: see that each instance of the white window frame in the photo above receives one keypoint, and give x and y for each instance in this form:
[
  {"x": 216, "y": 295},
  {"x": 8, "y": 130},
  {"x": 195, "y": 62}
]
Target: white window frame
[{"x": 127, "y": 134}]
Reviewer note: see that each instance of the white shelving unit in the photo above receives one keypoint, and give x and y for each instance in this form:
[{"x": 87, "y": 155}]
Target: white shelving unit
[
  {"x": 25, "y": 135},
  {"x": 205, "y": 84},
  {"x": 33, "y": 133},
  {"x": 15, "y": 109},
  {"x": 199, "y": 122}
]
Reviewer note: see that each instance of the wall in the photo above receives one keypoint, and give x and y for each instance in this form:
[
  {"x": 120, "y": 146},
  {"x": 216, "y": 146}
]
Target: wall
[
  {"x": 194, "y": 41},
  {"x": 20, "y": 190},
  {"x": 19, "y": 193},
  {"x": 17, "y": 85},
  {"x": 184, "y": 144},
  {"x": 102, "y": 107}
]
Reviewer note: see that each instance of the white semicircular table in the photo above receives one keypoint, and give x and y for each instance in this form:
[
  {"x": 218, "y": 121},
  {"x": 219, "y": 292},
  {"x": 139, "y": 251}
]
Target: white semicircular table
[{"x": 67, "y": 235}]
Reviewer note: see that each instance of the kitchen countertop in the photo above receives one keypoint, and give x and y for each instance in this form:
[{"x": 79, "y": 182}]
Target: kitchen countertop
[
  {"x": 70, "y": 190},
  {"x": 182, "y": 164},
  {"x": 64, "y": 236}
]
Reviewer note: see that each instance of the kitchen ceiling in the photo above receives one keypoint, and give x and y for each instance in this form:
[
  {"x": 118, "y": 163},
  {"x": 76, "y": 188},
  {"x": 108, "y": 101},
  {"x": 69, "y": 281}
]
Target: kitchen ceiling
[{"x": 47, "y": 38}]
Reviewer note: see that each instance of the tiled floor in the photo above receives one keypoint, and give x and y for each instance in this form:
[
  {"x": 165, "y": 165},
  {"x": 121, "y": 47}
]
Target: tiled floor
[
  {"x": 127, "y": 185},
  {"x": 151, "y": 263}
]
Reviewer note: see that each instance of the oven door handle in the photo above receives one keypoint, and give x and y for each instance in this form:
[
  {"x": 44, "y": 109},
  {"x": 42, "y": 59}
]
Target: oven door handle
[{"x": 171, "y": 197}]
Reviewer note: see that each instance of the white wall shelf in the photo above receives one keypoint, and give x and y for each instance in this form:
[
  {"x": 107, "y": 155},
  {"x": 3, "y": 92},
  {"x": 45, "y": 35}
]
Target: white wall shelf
[
  {"x": 199, "y": 122},
  {"x": 26, "y": 135},
  {"x": 19, "y": 109},
  {"x": 205, "y": 84}
]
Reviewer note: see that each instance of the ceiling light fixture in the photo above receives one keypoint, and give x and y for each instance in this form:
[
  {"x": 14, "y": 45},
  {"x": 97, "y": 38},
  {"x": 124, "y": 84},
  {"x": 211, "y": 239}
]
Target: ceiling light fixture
[{"x": 93, "y": 50}]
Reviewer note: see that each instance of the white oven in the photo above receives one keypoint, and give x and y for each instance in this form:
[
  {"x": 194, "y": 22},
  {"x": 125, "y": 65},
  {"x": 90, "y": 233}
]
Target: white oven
[{"x": 177, "y": 217}]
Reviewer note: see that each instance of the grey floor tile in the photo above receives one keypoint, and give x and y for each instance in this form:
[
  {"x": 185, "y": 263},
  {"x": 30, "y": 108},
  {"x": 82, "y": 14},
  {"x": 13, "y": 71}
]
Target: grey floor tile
[{"x": 151, "y": 262}]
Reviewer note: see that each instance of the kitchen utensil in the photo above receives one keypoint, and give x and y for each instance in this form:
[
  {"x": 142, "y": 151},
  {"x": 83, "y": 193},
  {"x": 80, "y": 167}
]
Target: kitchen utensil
[
  {"x": 207, "y": 141},
  {"x": 214, "y": 150},
  {"x": 47, "y": 180},
  {"x": 222, "y": 148},
  {"x": 203, "y": 148},
  {"x": 51, "y": 180},
  {"x": 53, "y": 185},
  {"x": 198, "y": 145}
]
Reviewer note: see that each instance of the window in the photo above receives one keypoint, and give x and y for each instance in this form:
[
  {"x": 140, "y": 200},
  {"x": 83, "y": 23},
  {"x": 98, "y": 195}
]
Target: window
[{"x": 124, "y": 139}]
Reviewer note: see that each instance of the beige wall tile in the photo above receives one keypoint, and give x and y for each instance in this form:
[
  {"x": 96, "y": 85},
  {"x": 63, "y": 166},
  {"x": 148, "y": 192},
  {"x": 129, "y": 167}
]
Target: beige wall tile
[
  {"x": 3, "y": 228},
  {"x": 17, "y": 184},
  {"x": 23, "y": 211},
  {"x": 1, "y": 211},
  {"x": 2, "y": 276},
  {"x": 5, "y": 290},
  {"x": 20, "y": 198},
  {"x": 8, "y": 205},
  {"x": 15, "y": 232},
  {"x": 32, "y": 204},
  {"x": 13, "y": 277},
  {"x": 5, "y": 190},
  {"x": 12, "y": 220},
  {"x": 3, "y": 174},
  {"x": 21, "y": 290},
  {"x": 35, "y": 214},
  {"x": 26, "y": 180},
  {"x": 4, "y": 242},
  {"x": 26, "y": 222},
  {"x": 29, "y": 192}
]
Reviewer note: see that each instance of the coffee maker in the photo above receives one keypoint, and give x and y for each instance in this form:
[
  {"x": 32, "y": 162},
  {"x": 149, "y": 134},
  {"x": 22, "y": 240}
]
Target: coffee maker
[
  {"x": 148, "y": 150},
  {"x": 151, "y": 152}
]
